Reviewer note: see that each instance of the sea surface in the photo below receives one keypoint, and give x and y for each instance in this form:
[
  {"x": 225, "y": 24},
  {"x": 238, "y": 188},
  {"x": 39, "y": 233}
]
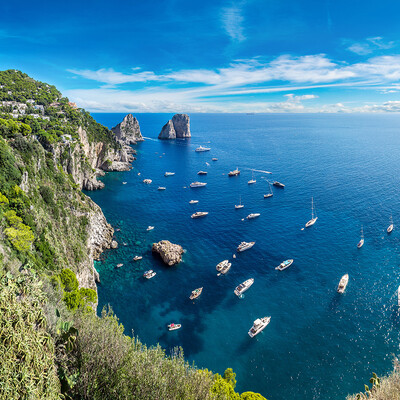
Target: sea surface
[{"x": 319, "y": 344}]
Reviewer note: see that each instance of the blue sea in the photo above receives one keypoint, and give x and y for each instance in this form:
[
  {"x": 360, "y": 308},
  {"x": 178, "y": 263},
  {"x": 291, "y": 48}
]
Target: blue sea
[{"x": 319, "y": 344}]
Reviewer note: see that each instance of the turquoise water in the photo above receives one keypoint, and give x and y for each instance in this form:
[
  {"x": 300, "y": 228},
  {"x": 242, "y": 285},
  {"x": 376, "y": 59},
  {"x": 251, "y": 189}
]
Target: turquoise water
[{"x": 319, "y": 345}]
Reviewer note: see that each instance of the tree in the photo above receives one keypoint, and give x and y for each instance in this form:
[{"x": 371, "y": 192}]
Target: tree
[
  {"x": 68, "y": 280},
  {"x": 222, "y": 390},
  {"x": 251, "y": 396},
  {"x": 230, "y": 377}
]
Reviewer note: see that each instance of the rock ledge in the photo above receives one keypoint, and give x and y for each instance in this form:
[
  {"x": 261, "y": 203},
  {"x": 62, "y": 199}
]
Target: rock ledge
[{"x": 170, "y": 253}]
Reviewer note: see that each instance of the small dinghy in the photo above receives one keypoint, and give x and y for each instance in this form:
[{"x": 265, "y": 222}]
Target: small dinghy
[
  {"x": 149, "y": 274},
  {"x": 150, "y": 228},
  {"x": 361, "y": 242},
  {"x": 124, "y": 183},
  {"x": 119, "y": 265},
  {"x": 193, "y": 201},
  {"x": 391, "y": 226},
  {"x": 174, "y": 327},
  {"x": 147, "y": 181},
  {"x": 195, "y": 293},
  {"x": 161, "y": 188}
]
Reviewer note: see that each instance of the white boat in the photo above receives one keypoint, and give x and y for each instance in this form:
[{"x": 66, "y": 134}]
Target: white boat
[
  {"x": 199, "y": 214},
  {"x": 193, "y": 201},
  {"x": 313, "y": 219},
  {"x": 253, "y": 215},
  {"x": 258, "y": 325},
  {"x": 361, "y": 242},
  {"x": 243, "y": 287},
  {"x": 119, "y": 265},
  {"x": 174, "y": 327},
  {"x": 240, "y": 205},
  {"x": 149, "y": 274},
  {"x": 124, "y": 183},
  {"x": 223, "y": 267},
  {"x": 285, "y": 264},
  {"x": 343, "y": 283},
  {"x": 278, "y": 184},
  {"x": 245, "y": 246},
  {"x": 150, "y": 228},
  {"x": 269, "y": 194},
  {"x": 214, "y": 159},
  {"x": 201, "y": 148},
  {"x": 195, "y": 293},
  {"x": 252, "y": 180},
  {"x": 391, "y": 226},
  {"x": 137, "y": 258},
  {"x": 161, "y": 188},
  {"x": 235, "y": 172},
  {"x": 147, "y": 181},
  {"x": 169, "y": 173},
  {"x": 398, "y": 296},
  {"x": 202, "y": 173},
  {"x": 197, "y": 184}
]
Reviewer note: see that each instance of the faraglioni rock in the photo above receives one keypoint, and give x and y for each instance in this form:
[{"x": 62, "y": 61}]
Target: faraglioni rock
[
  {"x": 128, "y": 131},
  {"x": 177, "y": 127},
  {"x": 170, "y": 253}
]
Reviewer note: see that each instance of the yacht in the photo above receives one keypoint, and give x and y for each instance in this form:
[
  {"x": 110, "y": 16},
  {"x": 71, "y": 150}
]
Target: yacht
[
  {"x": 214, "y": 159},
  {"x": 202, "y": 173},
  {"x": 149, "y": 274},
  {"x": 201, "y": 148},
  {"x": 253, "y": 215},
  {"x": 199, "y": 214},
  {"x": 223, "y": 267},
  {"x": 197, "y": 184},
  {"x": 361, "y": 242},
  {"x": 137, "y": 258},
  {"x": 240, "y": 205},
  {"x": 343, "y": 283},
  {"x": 147, "y": 181},
  {"x": 150, "y": 228},
  {"x": 258, "y": 325},
  {"x": 195, "y": 293},
  {"x": 278, "y": 184},
  {"x": 174, "y": 327},
  {"x": 269, "y": 194},
  {"x": 193, "y": 201},
  {"x": 169, "y": 173},
  {"x": 161, "y": 188},
  {"x": 314, "y": 218},
  {"x": 285, "y": 264},
  {"x": 252, "y": 180},
  {"x": 391, "y": 226},
  {"x": 235, "y": 172},
  {"x": 243, "y": 287},
  {"x": 245, "y": 246}
]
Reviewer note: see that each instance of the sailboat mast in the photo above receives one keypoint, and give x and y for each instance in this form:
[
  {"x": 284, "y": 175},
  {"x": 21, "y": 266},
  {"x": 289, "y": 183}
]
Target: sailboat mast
[{"x": 312, "y": 208}]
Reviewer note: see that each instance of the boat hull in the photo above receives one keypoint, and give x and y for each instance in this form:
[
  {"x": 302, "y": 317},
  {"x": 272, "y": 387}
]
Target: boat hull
[{"x": 311, "y": 222}]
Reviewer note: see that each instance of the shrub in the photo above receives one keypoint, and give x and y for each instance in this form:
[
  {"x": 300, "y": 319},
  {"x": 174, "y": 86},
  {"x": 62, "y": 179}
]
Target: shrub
[
  {"x": 19, "y": 234},
  {"x": 68, "y": 280},
  {"x": 47, "y": 195}
]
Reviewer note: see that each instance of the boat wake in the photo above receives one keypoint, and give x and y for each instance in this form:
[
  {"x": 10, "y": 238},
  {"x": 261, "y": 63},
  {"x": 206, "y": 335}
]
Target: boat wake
[{"x": 259, "y": 170}]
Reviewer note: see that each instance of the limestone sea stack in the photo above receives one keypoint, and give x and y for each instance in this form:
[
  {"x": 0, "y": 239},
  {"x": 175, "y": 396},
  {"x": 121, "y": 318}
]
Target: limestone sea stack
[
  {"x": 170, "y": 253},
  {"x": 128, "y": 131},
  {"x": 176, "y": 128}
]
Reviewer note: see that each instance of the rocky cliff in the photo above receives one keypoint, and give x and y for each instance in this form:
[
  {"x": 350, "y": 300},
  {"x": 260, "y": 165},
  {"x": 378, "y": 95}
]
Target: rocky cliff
[
  {"x": 128, "y": 131},
  {"x": 176, "y": 128}
]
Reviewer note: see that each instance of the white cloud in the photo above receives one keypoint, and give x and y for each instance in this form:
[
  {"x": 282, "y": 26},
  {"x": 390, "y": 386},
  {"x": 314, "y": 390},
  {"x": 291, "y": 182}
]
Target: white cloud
[
  {"x": 370, "y": 45},
  {"x": 232, "y": 21}
]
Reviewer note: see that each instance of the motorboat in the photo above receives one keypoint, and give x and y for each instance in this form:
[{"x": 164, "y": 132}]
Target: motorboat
[
  {"x": 252, "y": 180},
  {"x": 124, "y": 183},
  {"x": 253, "y": 215},
  {"x": 174, "y": 327},
  {"x": 258, "y": 325},
  {"x": 214, "y": 159},
  {"x": 235, "y": 172},
  {"x": 285, "y": 264},
  {"x": 201, "y": 148},
  {"x": 391, "y": 226},
  {"x": 270, "y": 193},
  {"x": 193, "y": 201},
  {"x": 343, "y": 283},
  {"x": 119, "y": 265},
  {"x": 361, "y": 242},
  {"x": 245, "y": 246},
  {"x": 149, "y": 274},
  {"x": 161, "y": 188},
  {"x": 195, "y": 293},
  {"x": 314, "y": 218},
  {"x": 243, "y": 287},
  {"x": 240, "y": 205},
  {"x": 197, "y": 184},
  {"x": 147, "y": 181},
  {"x": 202, "y": 173},
  {"x": 137, "y": 258},
  {"x": 169, "y": 173},
  {"x": 223, "y": 267},
  {"x": 150, "y": 228},
  {"x": 278, "y": 184},
  {"x": 199, "y": 214}
]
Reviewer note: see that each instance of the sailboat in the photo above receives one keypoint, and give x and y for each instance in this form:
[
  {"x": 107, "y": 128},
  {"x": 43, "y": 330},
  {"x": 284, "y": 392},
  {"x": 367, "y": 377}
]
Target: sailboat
[
  {"x": 391, "y": 226},
  {"x": 270, "y": 194},
  {"x": 361, "y": 242},
  {"x": 313, "y": 219},
  {"x": 240, "y": 205},
  {"x": 252, "y": 180}
]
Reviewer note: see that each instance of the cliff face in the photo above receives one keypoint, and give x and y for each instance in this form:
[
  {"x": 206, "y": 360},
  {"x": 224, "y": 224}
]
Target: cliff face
[
  {"x": 128, "y": 131},
  {"x": 177, "y": 127}
]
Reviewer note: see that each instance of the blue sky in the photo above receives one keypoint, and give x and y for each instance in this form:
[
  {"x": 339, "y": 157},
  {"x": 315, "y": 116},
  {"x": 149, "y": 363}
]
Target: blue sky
[{"x": 210, "y": 56}]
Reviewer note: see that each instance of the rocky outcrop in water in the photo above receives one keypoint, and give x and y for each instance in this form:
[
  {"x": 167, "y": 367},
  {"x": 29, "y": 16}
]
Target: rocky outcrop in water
[
  {"x": 170, "y": 253},
  {"x": 128, "y": 131},
  {"x": 177, "y": 127}
]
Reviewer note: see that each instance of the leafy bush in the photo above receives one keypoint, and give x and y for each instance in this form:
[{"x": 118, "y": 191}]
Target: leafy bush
[
  {"x": 68, "y": 280},
  {"x": 19, "y": 234},
  {"x": 47, "y": 195}
]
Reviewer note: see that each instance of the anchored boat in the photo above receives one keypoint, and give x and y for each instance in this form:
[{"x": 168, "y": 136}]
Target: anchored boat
[
  {"x": 269, "y": 194},
  {"x": 391, "y": 226},
  {"x": 343, "y": 283},
  {"x": 147, "y": 181},
  {"x": 258, "y": 325},
  {"x": 137, "y": 258},
  {"x": 313, "y": 219},
  {"x": 174, "y": 327},
  {"x": 240, "y": 205},
  {"x": 169, "y": 173},
  {"x": 195, "y": 293},
  {"x": 161, "y": 188},
  {"x": 201, "y": 148},
  {"x": 202, "y": 173},
  {"x": 199, "y": 214},
  {"x": 361, "y": 242},
  {"x": 245, "y": 246},
  {"x": 197, "y": 184},
  {"x": 243, "y": 287},
  {"x": 253, "y": 215},
  {"x": 149, "y": 274},
  {"x": 252, "y": 180},
  {"x": 235, "y": 172},
  {"x": 223, "y": 267},
  {"x": 193, "y": 201},
  {"x": 278, "y": 184},
  {"x": 285, "y": 264}
]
